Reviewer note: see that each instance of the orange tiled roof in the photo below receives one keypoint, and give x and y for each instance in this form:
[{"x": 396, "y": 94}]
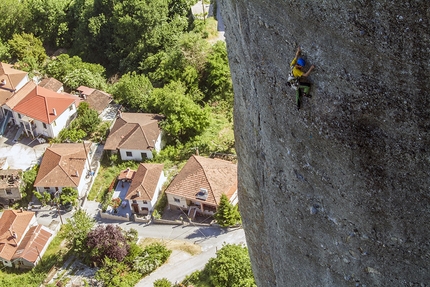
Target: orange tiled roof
[
  {"x": 44, "y": 105},
  {"x": 62, "y": 165},
  {"x": 20, "y": 95},
  {"x": 12, "y": 77},
  {"x": 10, "y": 222},
  {"x": 215, "y": 175},
  {"x": 134, "y": 131},
  {"x": 33, "y": 243},
  {"x": 145, "y": 181}
]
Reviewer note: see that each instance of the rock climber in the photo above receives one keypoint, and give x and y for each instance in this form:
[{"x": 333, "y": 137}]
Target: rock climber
[{"x": 297, "y": 72}]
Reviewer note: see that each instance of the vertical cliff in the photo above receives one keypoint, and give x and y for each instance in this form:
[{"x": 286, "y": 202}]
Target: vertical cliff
[{"x": 337, "y": 193}]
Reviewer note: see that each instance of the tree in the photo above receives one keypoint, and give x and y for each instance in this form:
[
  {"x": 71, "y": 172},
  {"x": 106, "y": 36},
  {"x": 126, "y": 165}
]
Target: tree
[
  {"x": 28, "y": 49},
  {"x": 153, "y": 256},
  {"x": 163, "y": 282},
  {"x": 88, "y": 118},
  {"x": 227, "y": 214},
  {"x": 69, "y": 195},
  {"x": 43, "y": 197},
  {"x": 231, "y": 267},
  {"x": 133, "y": 91},
  {"x": 217, "y": 83},
  {"x": 117, "y": 274},
  {"x": 28, "y": 177},
  {"x": 76, "y": 230},
  {"x": 184, "y": 118},
  {"x": 107, "y": 241}
]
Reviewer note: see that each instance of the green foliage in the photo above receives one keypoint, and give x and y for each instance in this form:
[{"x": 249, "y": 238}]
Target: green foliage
[
  {"x": 153, "y": 256},
  {"x": 69, "y": 195},
  {"x": 184, "y": 118},
  {"x": 4, "y": 52},
  {"x": 43, "y": 197},
  {"x": 117, "y": 274},
  {"x": 217, "y": 84},
  {"x": 133, "y": 91},
  {"x": 163, "y": 282},
  {"x": 230, "y": 268},
  {"x": 28, "y": 178},
  {"x": 73, "y": 72},
  {"x": 28, "y": 49},
  {"x": 88, "y": 118},
  {"x": 70, "y": 135},
  {"x": 227, "y": 214},
  {"x": 47, "y": 20},
  {"x": 101, "y": 132},
  {"x": 76, "y": 230}
]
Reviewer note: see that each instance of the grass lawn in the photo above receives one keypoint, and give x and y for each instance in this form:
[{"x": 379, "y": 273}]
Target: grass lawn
[
  {"x": 190, "y": 248},
  {"x": 55, "y": 254},
  {"x": 107, "y": 173}
]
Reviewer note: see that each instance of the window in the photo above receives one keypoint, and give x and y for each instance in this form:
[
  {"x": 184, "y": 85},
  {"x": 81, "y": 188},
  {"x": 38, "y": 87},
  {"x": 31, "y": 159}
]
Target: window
[
  {"x": 46, "y": 187},
  {"x": 128, "y": 153},
  {"x": 8, "y": 191},
  {"x": 54, "y": 123},
  {"x": 145, "y": 202},
  {"x": 176, "y": 199},
  {"x": 19, "y": 116},
  {"x": 134, "y": 201},
  {"x": 44, "y": 126},
  {"x": 71, "y": 107}
]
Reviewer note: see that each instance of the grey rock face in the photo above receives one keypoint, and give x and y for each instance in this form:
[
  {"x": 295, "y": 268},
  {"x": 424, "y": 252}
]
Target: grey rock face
[{"x": 337, "y": 193}]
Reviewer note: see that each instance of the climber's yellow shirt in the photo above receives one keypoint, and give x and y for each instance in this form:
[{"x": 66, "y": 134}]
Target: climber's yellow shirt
[{"x": 296, "y": 72}]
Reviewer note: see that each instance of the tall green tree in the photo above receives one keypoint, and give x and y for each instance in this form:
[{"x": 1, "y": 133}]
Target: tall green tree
[
  {"x": 184, "y": 118},
  {"x": 76, "y": 230},
  {"x": 227, "y": 214},
  {"x": 47, "y": 20},
  {"x": 69, "y": 195},
  {"x": 28, "y": 50},
  {"x": 14, "y": 15},
  {"x": 133, "y": 91},
  {"x": 217, "y": 83},
  {"x": 88, "y": 119}
]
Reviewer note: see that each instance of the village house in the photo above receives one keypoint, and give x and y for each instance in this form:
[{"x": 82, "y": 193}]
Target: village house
[
  {"x": 22, "y": 241},
  {"x": 10, "y": 184},
  {"x": 11, "y": 80},
  {"x": 41, "y": 111},
  {"x": 146, "y": 184},
  {"x": 135, "y": 136},
  {"x": 64, "y": 165},
  {"x": 96, "y": 99},
  {"x": 199, "y": 185}
]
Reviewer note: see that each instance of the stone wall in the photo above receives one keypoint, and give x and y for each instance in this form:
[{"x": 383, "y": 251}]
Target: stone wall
[{"x": 337, "y": 193}]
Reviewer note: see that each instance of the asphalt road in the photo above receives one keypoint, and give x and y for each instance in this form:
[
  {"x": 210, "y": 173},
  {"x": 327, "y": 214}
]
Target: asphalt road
[{"x": 180, "y": 263}]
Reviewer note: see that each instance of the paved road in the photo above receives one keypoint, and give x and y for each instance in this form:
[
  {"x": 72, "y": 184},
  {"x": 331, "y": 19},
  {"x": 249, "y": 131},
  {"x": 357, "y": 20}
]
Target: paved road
[{"x": 180, "y": 263}]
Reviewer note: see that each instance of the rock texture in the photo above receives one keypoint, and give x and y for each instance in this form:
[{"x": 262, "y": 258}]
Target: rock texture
[{"x": 338, "y": 193}]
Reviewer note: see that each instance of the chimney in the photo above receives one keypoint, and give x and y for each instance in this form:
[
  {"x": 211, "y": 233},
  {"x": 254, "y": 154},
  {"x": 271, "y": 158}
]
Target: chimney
[
  {"x": 77, "y": 173},
  {"x": 138, "y": 193},
  {"x": 54, "y": 111},
  {"x": 3, "y": 82},
  {"x": 197, "y": 151}
]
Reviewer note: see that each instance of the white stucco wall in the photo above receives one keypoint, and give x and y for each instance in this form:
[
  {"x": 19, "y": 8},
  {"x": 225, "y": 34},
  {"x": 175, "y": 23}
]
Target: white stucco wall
[
  {"x": 171, "y": 200},
  {"x": 135, "y": 154}
]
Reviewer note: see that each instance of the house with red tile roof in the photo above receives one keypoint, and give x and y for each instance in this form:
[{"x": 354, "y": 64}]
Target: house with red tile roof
[
  {"x": 42, "y": 111},
  {"x": 135, "y": 136},
  {"x": 64, "y": 165},
  {"x": 199, "y": 185},
  {"x": 146, "y": 184},
  {"x": 11, "y": 81},
  {"x": 22, "y": 241}
]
